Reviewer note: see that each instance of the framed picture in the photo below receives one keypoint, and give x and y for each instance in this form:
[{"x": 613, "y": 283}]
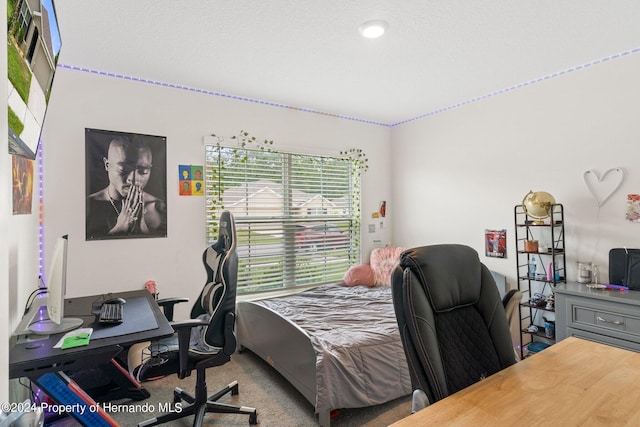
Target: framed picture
[
  {"x": 126, "y": 185},
  {"x": 495, "y": 243},
  {"x": 191, "y": 180},
  {"x": 22, "y": 172}
]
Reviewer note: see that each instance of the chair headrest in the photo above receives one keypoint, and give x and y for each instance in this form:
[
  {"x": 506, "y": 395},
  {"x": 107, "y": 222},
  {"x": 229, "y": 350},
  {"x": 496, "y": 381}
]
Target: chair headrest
[
  {"x": 450, "y": 274},
  {"x": 227, "y": 231},
  {"x": 226, "y": 241}
]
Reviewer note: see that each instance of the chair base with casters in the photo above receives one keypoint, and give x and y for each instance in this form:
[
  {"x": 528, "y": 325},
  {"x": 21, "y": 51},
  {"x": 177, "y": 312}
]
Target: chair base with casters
[{"x": 199, "y": 403}]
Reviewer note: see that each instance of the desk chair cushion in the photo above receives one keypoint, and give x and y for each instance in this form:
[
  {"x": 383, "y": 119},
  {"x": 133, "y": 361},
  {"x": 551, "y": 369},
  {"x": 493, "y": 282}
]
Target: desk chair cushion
[
  {"x": 451, "y": 318},
  {"x": 218, "y": 296},
  {"x": 210, "y": 298}
]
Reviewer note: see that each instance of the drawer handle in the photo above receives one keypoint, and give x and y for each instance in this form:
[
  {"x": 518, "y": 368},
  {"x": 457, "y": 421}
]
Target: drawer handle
[{"x": 615, "y": 322}]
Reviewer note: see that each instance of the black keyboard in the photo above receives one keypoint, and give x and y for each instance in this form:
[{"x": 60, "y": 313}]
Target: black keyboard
[{"x": 110, "y": 314}]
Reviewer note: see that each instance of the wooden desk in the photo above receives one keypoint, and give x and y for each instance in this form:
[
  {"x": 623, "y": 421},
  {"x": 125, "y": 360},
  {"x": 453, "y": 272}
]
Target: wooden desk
[{"x": 572, "y": 383}]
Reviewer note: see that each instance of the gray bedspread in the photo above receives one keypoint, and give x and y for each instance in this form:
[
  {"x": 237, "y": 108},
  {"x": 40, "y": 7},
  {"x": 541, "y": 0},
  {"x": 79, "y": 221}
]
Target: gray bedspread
[{"x": 359, "y": 356}]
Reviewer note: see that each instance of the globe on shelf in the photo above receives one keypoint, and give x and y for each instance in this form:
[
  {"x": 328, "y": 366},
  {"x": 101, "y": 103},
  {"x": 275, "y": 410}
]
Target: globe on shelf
[{"x": 538, "y": 205}]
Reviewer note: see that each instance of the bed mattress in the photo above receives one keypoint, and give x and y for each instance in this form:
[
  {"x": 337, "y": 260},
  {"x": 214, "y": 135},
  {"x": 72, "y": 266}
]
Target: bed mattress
[{"x": 359, "y": 356}]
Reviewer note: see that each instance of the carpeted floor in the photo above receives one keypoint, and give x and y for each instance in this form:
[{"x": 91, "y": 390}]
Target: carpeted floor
[{"x": 260, "y": 386}]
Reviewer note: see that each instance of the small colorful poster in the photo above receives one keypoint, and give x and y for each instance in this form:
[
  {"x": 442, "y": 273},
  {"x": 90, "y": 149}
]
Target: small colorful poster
[
  {"x": 633, "y": 208},
  {"x": 191, "y": 180},
  {"x": 496, "y": 243}
]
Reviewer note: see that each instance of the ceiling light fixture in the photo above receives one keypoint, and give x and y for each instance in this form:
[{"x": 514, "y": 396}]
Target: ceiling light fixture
[{"x": 373, "y": 29}]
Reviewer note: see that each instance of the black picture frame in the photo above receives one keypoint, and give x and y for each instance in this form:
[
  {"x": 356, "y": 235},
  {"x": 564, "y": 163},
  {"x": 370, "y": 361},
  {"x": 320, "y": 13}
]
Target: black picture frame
[{"x": 101, "y": 212}]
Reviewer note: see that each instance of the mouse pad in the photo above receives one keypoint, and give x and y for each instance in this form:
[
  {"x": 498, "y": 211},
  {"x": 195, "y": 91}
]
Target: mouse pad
[{"x": 137, "y": 316}]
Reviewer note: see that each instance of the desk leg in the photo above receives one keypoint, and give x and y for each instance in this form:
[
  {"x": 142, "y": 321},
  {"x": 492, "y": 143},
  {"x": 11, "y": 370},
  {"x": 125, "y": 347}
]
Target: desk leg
[
  {"x": 71, "y": 399},
  {"x": 127, "y": 385}
]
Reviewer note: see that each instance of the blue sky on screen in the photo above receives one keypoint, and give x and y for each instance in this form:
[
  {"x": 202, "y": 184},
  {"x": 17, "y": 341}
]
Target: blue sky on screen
[{"x": 53, "y": 24}]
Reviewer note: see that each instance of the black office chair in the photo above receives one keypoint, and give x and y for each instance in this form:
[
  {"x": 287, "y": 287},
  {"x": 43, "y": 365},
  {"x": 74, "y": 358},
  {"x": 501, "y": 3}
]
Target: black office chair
[
  {"x": 208, "y": 339},
  {"x": 451, "y": 319}
]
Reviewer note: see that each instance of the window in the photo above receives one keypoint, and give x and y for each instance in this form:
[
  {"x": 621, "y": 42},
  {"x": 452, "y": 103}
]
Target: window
[
  {"x": 297, "y": 216},
  {"x": 24, "y": 20}
]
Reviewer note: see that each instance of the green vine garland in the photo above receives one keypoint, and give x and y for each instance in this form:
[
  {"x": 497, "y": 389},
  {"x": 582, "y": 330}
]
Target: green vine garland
[
  {"x": 360, "y": 164},
  {"x": 243, "y": 139}
]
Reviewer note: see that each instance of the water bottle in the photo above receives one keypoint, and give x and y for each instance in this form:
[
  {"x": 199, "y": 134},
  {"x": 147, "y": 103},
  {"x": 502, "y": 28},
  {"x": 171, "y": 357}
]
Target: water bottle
[{"x": 532, "y": 268}]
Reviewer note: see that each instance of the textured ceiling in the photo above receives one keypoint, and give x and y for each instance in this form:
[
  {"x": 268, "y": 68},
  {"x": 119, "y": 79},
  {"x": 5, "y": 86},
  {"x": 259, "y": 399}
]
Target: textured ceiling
[{"x": 309, "y": 54}]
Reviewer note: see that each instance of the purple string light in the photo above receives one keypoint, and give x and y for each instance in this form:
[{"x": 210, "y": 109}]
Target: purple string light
[
  {"x": 220, "y": 94},
  {"x": 339, "y": 116},
  {"x": 40, "y": 211},
  {"x": 518, "y": 86}
]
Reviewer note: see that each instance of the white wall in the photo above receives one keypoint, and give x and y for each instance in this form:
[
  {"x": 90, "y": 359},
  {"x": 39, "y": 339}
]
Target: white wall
[
  {"x": 459, "y": 172},
  {"x": 82, "y": 100}
]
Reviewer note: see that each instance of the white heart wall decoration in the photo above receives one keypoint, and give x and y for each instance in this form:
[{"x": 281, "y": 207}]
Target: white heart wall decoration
[{"x": 603, "y": 187}]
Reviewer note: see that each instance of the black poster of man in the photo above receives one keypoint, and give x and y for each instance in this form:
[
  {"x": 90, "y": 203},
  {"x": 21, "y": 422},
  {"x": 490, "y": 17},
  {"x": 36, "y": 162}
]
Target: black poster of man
[{"x": 126, "y": 185}]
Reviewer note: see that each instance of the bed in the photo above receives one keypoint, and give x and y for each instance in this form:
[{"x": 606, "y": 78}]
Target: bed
[{"x": 339, "y": 346}]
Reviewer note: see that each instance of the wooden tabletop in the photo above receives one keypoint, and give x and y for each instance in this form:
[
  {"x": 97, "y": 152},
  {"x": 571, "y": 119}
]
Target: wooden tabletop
[{"x": 572, "y": 383}]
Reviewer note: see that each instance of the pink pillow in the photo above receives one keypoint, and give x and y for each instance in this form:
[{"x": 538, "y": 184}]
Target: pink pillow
[
  {"x": 382, "y": 262},
  {"x": 359, "y": 275}
]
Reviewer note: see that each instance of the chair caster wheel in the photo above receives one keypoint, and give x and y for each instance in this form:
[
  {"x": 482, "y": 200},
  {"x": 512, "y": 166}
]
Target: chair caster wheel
[{"x": 253, "y": 418}]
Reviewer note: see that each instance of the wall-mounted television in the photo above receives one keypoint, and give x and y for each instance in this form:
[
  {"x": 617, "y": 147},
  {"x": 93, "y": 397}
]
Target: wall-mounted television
[{"x": 33, "y": 47}]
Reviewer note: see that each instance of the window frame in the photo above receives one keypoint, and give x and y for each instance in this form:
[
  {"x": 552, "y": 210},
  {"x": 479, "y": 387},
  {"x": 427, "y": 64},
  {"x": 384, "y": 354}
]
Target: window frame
[{"x": 327, "y": 259}]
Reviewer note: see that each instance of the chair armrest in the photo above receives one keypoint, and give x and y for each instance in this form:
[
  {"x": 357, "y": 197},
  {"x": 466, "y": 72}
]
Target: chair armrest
[
  {"x": 187, "y": 324},
  {"x": 183, "y": 328},
  {"x": 168, "y": 304}
]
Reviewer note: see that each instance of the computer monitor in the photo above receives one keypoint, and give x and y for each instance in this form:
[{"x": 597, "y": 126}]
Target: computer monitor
[{"x": 52, "y": 320}]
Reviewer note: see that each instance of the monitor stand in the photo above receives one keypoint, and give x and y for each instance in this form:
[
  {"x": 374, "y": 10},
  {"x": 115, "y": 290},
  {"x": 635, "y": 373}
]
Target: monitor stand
[{"x": 49, "y": 327}]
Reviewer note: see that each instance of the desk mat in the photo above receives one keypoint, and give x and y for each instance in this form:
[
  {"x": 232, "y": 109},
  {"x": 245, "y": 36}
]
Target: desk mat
[{"x": 137, "y": 316}]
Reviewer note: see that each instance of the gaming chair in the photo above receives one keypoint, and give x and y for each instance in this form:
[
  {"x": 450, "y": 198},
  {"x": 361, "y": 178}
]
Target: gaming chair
[{"x": 208, "y": 339}]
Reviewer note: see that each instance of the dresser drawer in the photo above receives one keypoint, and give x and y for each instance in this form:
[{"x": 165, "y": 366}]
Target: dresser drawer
[
  {"x": 603, "y": 320},
  {"x": 607, "y": 319},
  {"x": 605, "y": 316}
]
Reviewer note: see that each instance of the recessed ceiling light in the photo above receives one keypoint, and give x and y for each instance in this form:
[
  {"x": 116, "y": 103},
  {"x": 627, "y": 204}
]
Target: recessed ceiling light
[{"x": 373, "y": 29}]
